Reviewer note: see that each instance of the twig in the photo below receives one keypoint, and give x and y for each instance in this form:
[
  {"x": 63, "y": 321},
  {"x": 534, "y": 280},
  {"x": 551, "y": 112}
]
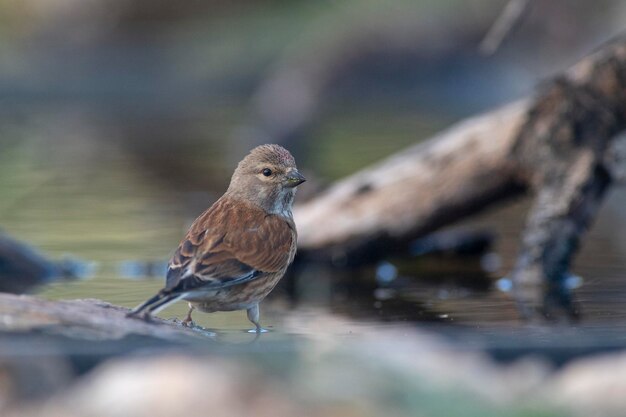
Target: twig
[{"x": 502, "y": 26}]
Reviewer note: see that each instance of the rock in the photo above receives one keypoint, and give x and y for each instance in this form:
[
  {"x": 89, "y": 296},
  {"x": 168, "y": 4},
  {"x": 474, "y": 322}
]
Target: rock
[
  {"x": 23, "y": 268},
  {"x": 387, "y": 374},
  {"x": 593, "y": 386},
  {"x": 168, "y": 386}
]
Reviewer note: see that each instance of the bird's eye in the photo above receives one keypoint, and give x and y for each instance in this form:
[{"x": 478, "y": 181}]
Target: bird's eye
[{"x": 267, "y": 172}]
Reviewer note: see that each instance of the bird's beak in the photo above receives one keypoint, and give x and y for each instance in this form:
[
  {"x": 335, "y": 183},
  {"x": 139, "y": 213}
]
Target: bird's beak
[{"x": 294, "y": 178}]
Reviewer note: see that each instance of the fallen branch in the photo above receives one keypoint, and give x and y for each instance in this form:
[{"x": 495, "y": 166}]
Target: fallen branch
[
  {"x": 503, "y": 25},
  {"x": 416, "y": 191},
  {"x": 554, "y": 144}
]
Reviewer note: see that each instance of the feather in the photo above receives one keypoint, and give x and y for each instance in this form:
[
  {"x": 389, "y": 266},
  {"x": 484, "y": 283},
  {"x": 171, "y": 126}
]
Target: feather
[
  {"x": 230, "y": 244},
  {"x": 156, "y": 303}
]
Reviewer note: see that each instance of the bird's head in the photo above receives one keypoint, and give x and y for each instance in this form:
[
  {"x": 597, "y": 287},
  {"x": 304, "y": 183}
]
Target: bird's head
[{"x": 267, "y": 177}]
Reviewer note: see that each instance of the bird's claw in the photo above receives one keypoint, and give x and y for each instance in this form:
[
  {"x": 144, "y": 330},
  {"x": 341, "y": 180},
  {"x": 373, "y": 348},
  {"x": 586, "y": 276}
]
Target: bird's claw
[
  {"x": 258, "y": 330},
  {"x": 188, "y": 323}
]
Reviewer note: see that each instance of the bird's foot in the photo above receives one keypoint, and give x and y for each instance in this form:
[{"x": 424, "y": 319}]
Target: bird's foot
[
  {"x": 258, "y": 330},
  {"x": 188, "y": 323}
]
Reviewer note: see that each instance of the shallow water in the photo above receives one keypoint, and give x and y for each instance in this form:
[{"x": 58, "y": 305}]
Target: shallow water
[{"x": 90, "y": 197}]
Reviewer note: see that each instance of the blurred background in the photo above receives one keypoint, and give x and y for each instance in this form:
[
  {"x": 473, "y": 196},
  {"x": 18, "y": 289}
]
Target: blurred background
[{"x": 122, "y": 120}]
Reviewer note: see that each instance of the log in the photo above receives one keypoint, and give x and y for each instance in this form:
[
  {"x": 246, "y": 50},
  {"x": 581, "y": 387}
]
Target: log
[
  {"x": 88, "y": 320},
  {"x": 554, "y": 145},
  {"x": 562, "y": 151},
  {"x": 416, "y": 191}
]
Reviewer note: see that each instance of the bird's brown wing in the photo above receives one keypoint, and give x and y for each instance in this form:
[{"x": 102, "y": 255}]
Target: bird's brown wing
[{"x": 229, "y": 244}]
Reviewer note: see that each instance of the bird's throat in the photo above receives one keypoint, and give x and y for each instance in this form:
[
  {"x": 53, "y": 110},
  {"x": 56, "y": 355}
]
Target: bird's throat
[{"x": 280, "y": 202}]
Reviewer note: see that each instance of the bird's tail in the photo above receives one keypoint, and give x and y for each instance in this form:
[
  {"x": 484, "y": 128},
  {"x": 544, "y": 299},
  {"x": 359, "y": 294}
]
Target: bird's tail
[{"x": 155, "y": 304}]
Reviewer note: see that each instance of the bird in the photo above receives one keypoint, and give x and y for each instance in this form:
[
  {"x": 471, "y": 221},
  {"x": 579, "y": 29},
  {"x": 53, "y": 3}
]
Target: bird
[{"x": 235, "y": 253}]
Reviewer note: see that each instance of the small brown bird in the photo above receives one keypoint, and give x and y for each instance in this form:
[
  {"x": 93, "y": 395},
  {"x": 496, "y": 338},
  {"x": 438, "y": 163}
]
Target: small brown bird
[{"x": 236, "y": 251}]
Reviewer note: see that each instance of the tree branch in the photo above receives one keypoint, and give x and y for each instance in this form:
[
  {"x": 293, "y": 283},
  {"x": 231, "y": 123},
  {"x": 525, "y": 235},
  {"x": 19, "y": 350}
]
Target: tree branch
[{"x": 555, "y": 145}]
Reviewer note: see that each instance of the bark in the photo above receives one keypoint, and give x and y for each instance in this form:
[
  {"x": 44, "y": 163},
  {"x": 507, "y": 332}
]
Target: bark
[
  {"x": 88, "y": 320},
  {"x": 561, "y": 150},
  {"x": 555, "y": 145},
  {"x": 429, "y": 185}
]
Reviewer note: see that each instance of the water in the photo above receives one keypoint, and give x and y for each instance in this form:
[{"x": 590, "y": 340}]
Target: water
[
  {"x": 68, "y": 190},
  {"x": 118, "y": 126}
]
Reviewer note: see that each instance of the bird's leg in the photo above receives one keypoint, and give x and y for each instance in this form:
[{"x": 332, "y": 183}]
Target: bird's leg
[
  {"x": 253, "y": 316},
  {"x": 188, "y": 322}
]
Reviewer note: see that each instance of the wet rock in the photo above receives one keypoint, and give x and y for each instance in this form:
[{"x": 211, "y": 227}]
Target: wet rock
[{"x": 22, "y": 267}]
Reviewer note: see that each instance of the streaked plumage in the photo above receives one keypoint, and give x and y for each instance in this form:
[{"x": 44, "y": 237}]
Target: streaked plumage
[{"x": 236, "y": 251}]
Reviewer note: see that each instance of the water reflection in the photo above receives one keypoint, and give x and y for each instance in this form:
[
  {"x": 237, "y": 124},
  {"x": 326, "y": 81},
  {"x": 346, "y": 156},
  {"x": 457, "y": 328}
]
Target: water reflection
[{"x": 134, "y": 269}]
